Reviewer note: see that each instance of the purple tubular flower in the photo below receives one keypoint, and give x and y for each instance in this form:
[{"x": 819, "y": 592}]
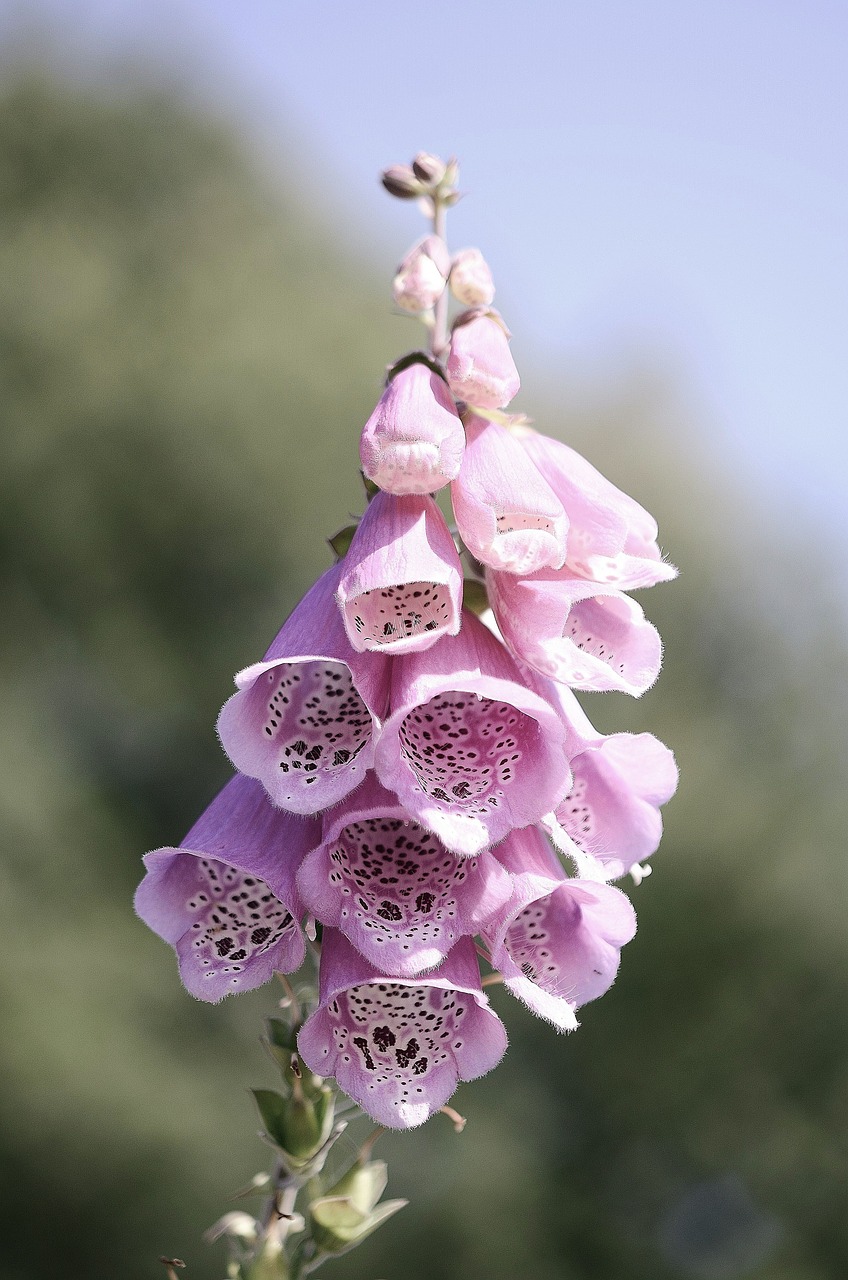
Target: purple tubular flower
[
  {"x": 480, "y": 367},
  {"x": 469, "y": 750},
  {"x": 612, "y": 539},
  {"x": 392, "y": 888},
  {"x": 304, "y": 719},
  {"x": 401, "y": 582},
  {"x": 413, "y": 441},
  {"x": 226, "y": 899},
  {"x": 557, "y": 943},
  {"x": 612, "y": 809},
  {"x": 399, "y": 1046},
  {"x": 507, "y": 514},
  {"x": 578, "y": 632}
]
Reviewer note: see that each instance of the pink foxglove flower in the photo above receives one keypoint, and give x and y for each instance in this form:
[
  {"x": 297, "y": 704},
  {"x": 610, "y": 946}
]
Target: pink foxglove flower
[
  {"x": 304, "y": 719},
  {"x": 226, "y": 899},
  {"x": 585, "y": 635},
  {"x": 471, "y": 279},
  {"x": 400, "y": 1046},
  {"x": 401, "y": 582},
  {"x": 470, "y": 751},
  {"x": 480, "y": 367},
  {"x": 613, "y": 808},
  {"x": 558, "y": 941},
  {"x": 413, "y": 441},
  {"x": 422, "y": 277},
  {"x": 392, "y": 888},
  {"x": 612, "y": 539},
  {"x": 507, "y": 515}
]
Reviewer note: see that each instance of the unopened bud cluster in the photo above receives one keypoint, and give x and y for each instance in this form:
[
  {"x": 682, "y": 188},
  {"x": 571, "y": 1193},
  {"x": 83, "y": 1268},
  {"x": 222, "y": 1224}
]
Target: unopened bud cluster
[{"x": 408, "y": 775}]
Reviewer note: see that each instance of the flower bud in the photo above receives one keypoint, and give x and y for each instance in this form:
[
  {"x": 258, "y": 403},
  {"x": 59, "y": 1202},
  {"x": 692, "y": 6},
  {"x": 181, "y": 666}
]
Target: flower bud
[
  {"x": 470, "y": 279},
  {"x": 298, "y": 1125},
  {"x": 480, "y": 368},
  {"x": 349, "y": 1211},
  {"x": 400, "y": 181},
  {"x": 422, "y": 275},
  {"x": 428, "y": 168}
]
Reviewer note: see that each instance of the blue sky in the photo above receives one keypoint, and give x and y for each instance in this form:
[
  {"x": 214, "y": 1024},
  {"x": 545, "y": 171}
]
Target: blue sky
[{"x": 646, "y": 176}]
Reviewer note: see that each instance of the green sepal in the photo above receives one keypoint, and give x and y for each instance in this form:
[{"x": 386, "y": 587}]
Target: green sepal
[
  {"x": 340, "y": 542},
  {"x": 298, "y": 1125},
  {"x": 349, "y": 1211},
  {"x": 474, "y": 595}
]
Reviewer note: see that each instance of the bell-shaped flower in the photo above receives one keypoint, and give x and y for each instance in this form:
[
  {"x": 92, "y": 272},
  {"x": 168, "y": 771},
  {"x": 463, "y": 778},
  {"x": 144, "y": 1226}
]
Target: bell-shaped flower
[
  {"x": 612, "y": 811},
  {"x": 305, "y": 718},
  {"x": 226, "y": 899},
  {"x": 575, "y": 631},
  {"x": 399, "y": 1046},
  {"x": 557, "y": 943},
  {"x": 480, "y": 367},
  {"x": 422, "y": 277},
  {"x": 413, "y": 441},
  {"x": 392, "y": 887},
  {"x": 471, "y": 279},
  {"x": 507, "y": 514},
  {"x": 401, "y": 582},
  {"x": 611, "y": 538},
  {"x": 470, "y": 751}
]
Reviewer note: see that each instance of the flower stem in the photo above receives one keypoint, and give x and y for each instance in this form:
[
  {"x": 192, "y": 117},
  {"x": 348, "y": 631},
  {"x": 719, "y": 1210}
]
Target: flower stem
[{"x": 439, "y": 332}]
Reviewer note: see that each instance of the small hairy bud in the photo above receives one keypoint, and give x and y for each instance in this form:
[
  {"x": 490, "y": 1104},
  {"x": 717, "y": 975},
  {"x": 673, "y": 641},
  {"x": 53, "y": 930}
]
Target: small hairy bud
[
  {"x": 400, "y": 181},
  {"x": 422, "y": 275},
  {"x": 428, "y": 168},
  {"x": 471, "y": 279}
]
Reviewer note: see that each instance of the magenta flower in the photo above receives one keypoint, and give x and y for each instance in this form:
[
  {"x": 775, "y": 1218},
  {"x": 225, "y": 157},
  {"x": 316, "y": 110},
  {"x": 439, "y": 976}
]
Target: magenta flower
[
  {"x": 413, "y": 441},
  {"x": 557, "y": 943},
  {"x": 612, "y": 810},
  {"x": 507, "y": 515},
  {"x": 393, "y": 888},
  {"x": 480, "y": 367},
  {"x": 422, "y": 277},
  {"x": 401, "y": 582},
  {"x": 304, "y": 718},
  {"x": 399, "y": 1046},
  {"x": 612, "y": 539},
  {"x": 575, "y": 631},
  {"x": 226, "y": 899},
  {"x": 469, "y": 750}
]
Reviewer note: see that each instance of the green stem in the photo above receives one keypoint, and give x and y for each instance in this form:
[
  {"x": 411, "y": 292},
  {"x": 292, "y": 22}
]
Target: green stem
[{"x": 439, "y": 332}]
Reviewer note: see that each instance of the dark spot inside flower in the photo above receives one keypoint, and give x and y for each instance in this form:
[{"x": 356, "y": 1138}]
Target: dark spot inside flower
[
  {"x": 224, "y": 945},
  {"x": 384, "y": 1038},
  {"x": 259, "y": 936},
  {"x": 424, "y": 902},
  {"x": 407, "y": 1055},
  {"x": 389, "y": 911},
  {"x": 362, "y": 1045}
]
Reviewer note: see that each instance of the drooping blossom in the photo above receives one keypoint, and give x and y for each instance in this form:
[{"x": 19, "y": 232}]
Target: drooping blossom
[
  {"x": 480, "y": 367},
  {"x": 399, "y": 1046},
  {"x": 401, "y": 582},
  {"x": 507, "y": 514},
  {"x": 612, "y": 539},
  {"x": 471, "y": 280},
  {"x": 470, "y": 751},
  {"x": 422, "y": 276},
  {"x": 305, "y": 718},
  {"x": 587, "y": 636},
  {"x": 226, "y": 899},
  {"x": 557, "y": 943},
  {"x": 392, "y": 887},
  {"x": 413, "y": 441},
  {"x": 612, "y": 811}
]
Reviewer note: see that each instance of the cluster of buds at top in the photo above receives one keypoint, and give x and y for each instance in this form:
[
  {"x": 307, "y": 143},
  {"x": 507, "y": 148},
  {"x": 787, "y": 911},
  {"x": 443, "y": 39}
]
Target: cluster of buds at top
[{"x": 410, "y": 774}]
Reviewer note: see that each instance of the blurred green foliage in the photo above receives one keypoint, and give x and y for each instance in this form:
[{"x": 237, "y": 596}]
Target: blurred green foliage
[{"x": 186, "y": 358}]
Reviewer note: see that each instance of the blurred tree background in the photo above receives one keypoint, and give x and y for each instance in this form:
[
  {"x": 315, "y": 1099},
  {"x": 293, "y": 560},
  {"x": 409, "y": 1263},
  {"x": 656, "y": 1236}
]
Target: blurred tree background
[{"x": 187, "y": 353}]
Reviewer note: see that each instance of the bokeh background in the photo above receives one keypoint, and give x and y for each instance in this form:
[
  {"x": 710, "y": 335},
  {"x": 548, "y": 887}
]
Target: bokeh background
[{"x": 194, "y": 323}]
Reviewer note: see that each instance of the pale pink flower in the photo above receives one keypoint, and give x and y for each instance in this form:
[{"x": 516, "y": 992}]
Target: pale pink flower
[
  {"x": 471, "y": 279},
  {"x": 470, "y": 751},
  {"x": 226, "y": 899},
  {"x": 401, "y": 582},
  {"x": 557, "y": 942},
  {"x": 575, "y": 631},
  {"x": 399, "y": 1046},
  {"x": 422, "y": 276},
  {"x": 507, "y": 515},
  {"x": 480, "y": 367},
  {"x": 304, "y": 719},
  {"x": 413, "y": 441},
  {"x": 393, "y": 888},
  {"x": 611, "y": 538}
]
